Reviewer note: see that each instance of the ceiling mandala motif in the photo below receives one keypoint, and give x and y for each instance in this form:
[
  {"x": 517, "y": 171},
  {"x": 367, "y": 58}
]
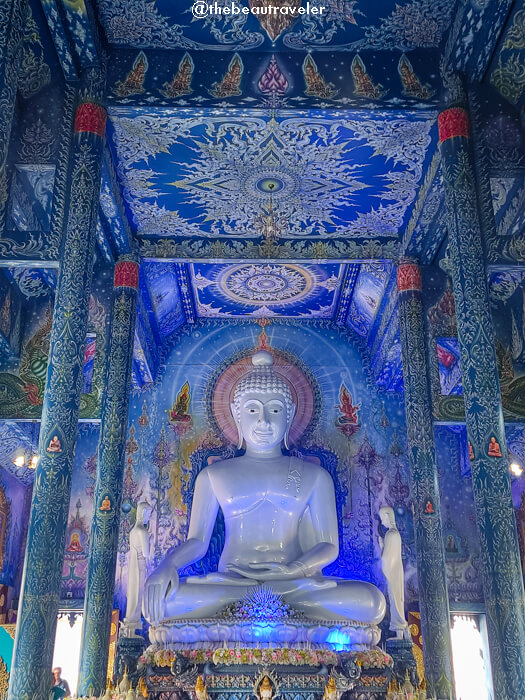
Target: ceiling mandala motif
[
  {"x": 266, "y": 290},
  {"x": 269, "y": 284},
  {"x": 212, "y": 173}
]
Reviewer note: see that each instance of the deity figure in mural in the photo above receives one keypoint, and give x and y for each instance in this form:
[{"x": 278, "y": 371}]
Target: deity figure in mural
[
  {"x": 137, "y": 569},
  {"x": 74, "y": 543},
  {"x": 280, "y": 522},
  {"x": 392, "y": 567}
]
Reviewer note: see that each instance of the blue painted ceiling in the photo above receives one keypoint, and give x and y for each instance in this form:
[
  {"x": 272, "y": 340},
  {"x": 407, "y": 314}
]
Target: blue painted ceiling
[
  {"x": 266, "y": 290},
  {"x": 219, "y": 175},
  {"x": 348, "y": 25},
  {"x": 266, "y": 168}
]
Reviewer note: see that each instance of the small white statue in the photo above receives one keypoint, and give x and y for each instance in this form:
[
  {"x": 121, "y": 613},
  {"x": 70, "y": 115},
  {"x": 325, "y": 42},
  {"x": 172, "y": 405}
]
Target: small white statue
[
  {"x": 392, "y": 567},
  {"x": 137, "y": 569}
]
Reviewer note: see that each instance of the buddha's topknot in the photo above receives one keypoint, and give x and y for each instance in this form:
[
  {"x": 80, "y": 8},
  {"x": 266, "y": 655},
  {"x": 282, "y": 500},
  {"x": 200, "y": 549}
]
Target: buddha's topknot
[{"x": 264, "y": 379}]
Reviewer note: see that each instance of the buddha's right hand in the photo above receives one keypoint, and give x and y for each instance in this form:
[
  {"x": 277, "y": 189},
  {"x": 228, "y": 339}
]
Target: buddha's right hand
[{"x": 162, "y": 581}]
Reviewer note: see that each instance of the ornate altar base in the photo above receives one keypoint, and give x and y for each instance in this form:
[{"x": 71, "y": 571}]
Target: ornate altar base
[
  {"x": 235, "y": 673},
  {"x": 229, "y": 655}
]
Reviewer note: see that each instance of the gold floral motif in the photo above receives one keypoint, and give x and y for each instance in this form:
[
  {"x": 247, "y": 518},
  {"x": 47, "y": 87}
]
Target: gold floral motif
[
  {"x": 4, "y": 680},
  {"x": 10, "y": 629}
]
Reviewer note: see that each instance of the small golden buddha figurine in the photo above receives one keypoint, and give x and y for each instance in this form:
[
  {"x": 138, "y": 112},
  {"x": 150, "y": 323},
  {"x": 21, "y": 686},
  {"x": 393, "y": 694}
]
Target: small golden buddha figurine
[
  {"x": 494, "y": 448},
  {"x": 54, "y": 446},
  {"x": 74, "y": 543},
  {"x": 200, "y": 689},
  {"x": 265, "y": 689},
  {"x": 106, "y": 504},
  {"x": 330, "y": 690},
  {"x": 142, "y": 689}
]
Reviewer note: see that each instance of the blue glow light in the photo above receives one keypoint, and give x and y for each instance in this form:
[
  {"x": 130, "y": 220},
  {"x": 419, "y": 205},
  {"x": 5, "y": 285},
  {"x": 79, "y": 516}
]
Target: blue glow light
[{"x": 339, "y": 641}]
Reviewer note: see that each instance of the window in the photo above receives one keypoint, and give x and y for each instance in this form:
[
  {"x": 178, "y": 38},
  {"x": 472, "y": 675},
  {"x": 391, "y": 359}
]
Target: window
[{"x": 470, "y": 657}]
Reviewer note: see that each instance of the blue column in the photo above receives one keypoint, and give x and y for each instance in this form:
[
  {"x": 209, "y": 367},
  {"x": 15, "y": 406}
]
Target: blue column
[
  {"x": 431, "y": 571},
  {"x": 11, "y": 33},
  {"x": 500, "y": 561},
  {"x": 108, "y": 489},
  {"x": 35, "y": 633}
]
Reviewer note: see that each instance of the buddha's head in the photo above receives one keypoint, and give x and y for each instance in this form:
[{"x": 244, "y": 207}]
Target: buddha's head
[
  {"x": 144, "y": 512},
  {"x": 387, "y": 516},
  {"x": 262, "y": 406}
]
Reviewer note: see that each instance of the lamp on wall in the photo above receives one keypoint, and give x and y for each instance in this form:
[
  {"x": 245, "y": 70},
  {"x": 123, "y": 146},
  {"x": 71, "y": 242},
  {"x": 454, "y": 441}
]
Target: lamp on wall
[
  {"x": 515, "y": 465},
  {"x": 28, "y": 458}
]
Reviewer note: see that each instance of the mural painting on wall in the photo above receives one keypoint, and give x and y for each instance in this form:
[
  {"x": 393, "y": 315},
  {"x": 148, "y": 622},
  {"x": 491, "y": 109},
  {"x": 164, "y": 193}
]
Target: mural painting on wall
[
  {"x": 22, "y": 381},
  {"x": 516, "y": 448},
  {"x": 507, "y": 293},
  {"x": 462, "y": 555},
  {"x": 10, "y": 319},
  {"x": 356, "y": 32},
  {"x": 12, "y": 514},
  {"x": 80, "y": 512}
]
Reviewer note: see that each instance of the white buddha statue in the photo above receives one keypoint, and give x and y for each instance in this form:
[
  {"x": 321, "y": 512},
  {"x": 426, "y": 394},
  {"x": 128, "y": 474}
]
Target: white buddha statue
[
  {"x": 392, "y": 567},
  {"x": 137, "y": 570},
  {"x": 280, "y": 523}
]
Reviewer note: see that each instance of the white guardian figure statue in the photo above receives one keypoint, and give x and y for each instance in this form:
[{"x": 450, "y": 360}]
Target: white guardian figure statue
[
  {"x": 392, "y": 567},
  {"x": 137, "y": 570}
]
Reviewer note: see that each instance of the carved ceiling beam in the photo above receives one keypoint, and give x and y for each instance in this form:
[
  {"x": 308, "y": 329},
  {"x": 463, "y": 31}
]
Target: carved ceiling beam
[
  {"x": 424, "y": 233},
  {"x": 73, "y": 28},
  {"x": 473, "y": 37}
]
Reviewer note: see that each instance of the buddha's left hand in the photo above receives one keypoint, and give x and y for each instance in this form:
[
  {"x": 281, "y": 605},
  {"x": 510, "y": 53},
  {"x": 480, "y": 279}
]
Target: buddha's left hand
[{"x": 268, "y": 571}]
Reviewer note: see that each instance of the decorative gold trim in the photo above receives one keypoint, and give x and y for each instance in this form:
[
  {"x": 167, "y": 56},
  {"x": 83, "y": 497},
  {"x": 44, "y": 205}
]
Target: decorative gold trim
[
  {"x": 4, "y": 680},
  {"x": 10, "y": 629}
]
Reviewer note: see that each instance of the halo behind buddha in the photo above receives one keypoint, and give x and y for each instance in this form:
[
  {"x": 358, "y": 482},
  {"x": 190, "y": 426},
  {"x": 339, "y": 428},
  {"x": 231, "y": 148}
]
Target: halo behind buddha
[{"x": 285, "y": 373}]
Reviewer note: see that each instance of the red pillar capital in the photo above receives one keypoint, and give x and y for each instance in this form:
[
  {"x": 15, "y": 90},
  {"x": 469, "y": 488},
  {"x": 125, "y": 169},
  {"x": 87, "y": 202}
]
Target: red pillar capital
[
  {"x": 90, "y": 118},
  {"x": 453, "y": 122},
  {"x": 126, "y": 274},
  {"x": 409, "y": 277}
]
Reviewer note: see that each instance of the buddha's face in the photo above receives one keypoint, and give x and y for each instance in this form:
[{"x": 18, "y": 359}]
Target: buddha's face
[
  {"x": 386, "y": 516},
  {"x": 263, "y": 419},
  {"x": 146, "y": 513}
]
